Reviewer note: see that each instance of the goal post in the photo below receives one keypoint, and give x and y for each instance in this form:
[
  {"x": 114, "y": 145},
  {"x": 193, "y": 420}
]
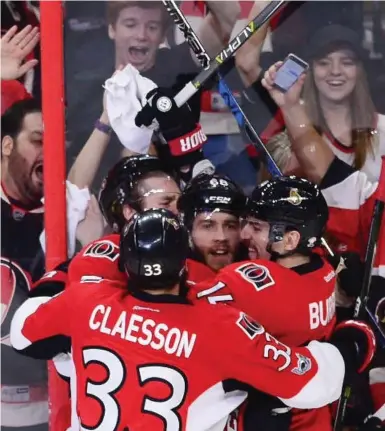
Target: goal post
[{"x": 53, "y": 108}]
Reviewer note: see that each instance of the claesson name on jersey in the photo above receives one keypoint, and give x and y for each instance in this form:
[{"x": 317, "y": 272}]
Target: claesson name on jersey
[{"x": 136, "y": 329}]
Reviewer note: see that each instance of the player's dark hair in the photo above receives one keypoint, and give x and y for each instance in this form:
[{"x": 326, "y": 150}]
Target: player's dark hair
[
  {"x": 114, "y": 9},
  {"x": 13, "y": 118},
  {"x": 116, "y": 189}
]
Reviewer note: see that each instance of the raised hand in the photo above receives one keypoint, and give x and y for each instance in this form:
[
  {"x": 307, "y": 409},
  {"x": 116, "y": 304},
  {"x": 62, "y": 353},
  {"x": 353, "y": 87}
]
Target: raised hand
[
  {"x": 283, "y": 100},
  {"x": 14, "y": 48},
  {"x": 92, "y": 227}
]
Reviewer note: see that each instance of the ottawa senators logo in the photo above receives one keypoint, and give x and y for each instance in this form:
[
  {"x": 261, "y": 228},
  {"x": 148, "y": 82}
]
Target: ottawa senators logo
[
  {"x": 294, "y": 197},
  {"x": 103, "y": 249},
  {"x": 15, "y": 284},
  {"x": 258, "y": 275},
  {"x": 250, "y": 327}
]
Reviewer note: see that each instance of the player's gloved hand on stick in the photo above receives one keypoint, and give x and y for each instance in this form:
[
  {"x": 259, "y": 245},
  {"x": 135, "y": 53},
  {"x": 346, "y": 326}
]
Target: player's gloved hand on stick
[
  {"x": 372, "y": 423},
  {"x": 351, "y": 275},
  {"x": 357, "y": 344},
  {"x": 183, "y": 136}
]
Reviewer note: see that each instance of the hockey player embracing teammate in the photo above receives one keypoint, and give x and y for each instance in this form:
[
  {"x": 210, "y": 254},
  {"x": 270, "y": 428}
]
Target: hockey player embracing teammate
[{"x": 134, "y": 342}]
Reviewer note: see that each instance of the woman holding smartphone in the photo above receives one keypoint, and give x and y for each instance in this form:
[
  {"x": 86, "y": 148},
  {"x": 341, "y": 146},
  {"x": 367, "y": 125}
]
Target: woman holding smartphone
[{"x": 337, "y": 99}]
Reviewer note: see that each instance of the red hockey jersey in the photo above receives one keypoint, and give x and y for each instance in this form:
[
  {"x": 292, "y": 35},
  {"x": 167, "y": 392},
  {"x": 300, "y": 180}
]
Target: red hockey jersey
[
  {"x": 351, "y": 203},
  {"x": 296, "y": 306},
  {"x": 147, "y": 362},
  {"x": 101, "y": 259}
]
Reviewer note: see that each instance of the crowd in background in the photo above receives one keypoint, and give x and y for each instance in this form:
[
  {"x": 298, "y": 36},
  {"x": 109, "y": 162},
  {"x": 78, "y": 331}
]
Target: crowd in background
[{"x": 334, "y": 113}]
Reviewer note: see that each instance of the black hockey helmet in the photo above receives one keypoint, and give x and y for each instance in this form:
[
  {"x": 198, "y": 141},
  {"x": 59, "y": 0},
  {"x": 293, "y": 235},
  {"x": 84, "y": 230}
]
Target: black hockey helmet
[
  {"x": 154, "y": 247},
  {"x": 291, "y": 203},
  {"x": 211, "y": 192},
  {"x": 119, "y": 183}
]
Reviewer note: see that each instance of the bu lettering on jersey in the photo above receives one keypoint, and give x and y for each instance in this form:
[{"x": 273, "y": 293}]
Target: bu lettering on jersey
[{"x": 321, "y": 313}]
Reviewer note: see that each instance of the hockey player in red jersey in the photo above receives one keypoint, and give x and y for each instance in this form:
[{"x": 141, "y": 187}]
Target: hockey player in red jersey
[
  {"x": 154, "y": 360},
  {"x": 211, "y": 206},
  {"x": 286, "y": 287},
  {"x": 133, "y": 184}
]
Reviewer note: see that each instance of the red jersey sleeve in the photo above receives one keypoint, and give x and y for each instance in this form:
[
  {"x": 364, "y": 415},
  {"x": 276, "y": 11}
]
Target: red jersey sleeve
[
  {"x": 351, "y": 204},
  {"x": 302, "y": 377},
  {"x": 41, "y": 318},
  {"x": 99, "y": 259},
  {"x": 264, "y": 290},
  {"x": 238, "y": 282}
]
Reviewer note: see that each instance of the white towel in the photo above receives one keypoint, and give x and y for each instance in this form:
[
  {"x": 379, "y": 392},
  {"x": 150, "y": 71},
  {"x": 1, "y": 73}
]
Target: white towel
[
  {"x": 125, "y": 96},
  {"x": 77, "y": 202}
]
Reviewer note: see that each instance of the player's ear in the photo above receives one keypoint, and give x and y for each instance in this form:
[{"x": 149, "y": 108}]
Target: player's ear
[
  {"x": 111, "y": 32},
  {"x": 6, "y": 146},
  {"x": 128, "y": 212},
  {"x": 291, "y": 240}
]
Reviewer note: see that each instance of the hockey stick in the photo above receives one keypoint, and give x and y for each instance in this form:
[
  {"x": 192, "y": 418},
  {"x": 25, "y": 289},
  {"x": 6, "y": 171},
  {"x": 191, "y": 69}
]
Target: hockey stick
[
  {"x": 360, "y": 306},
  {"x": 242, "y": 120},
  {"x": 193, "y": 86},
  {"x": 377, "y": 326},
  {"x": 201, "y": 54}
]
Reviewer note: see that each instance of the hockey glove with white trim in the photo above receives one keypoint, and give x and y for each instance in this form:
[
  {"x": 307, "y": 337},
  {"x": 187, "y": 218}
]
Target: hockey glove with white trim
[
  {"x": 357, "y": 344},
  {"x": 183, "y": 136}
]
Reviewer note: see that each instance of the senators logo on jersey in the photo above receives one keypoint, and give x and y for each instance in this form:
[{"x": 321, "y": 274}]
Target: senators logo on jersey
[
  {"x": 258, "y": 275},
  {"x": 13, "y": 278},
  {"x": 103, "y": 249},
  {"x": 249, "y": 326}
]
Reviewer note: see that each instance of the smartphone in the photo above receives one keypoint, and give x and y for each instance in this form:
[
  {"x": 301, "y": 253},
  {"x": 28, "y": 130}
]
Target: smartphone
[{"x": 290, "y": 71}]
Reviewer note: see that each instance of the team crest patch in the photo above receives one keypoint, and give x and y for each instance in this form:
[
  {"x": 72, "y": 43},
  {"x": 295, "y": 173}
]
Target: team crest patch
[
  {"x": 258, "y": 275},
  {"x": 294, "y": 197},
  {"x": 250, "y": 327},
  {"x": 303, "y": 365}
]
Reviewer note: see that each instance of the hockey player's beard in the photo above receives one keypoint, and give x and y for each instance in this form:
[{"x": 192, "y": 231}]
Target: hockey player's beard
[
  {"x": 212, "y": 258},
  {"x": 28, "y": 178}
]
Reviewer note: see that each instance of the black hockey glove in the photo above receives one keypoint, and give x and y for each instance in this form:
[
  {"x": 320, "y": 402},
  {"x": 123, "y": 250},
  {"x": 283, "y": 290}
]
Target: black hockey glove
[
  {"x": 183, "y": 136},
  {"x": 372, "y": 423},
  {"x": 356, "y": 342},
  {"x": 351, "y": 276}
]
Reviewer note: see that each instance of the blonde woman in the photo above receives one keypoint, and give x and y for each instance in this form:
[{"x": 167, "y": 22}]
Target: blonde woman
[
  {"x": 338, "y": 101},
  {"x": 336, "y": 98},
  {"x": 280, "y": 149}
]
